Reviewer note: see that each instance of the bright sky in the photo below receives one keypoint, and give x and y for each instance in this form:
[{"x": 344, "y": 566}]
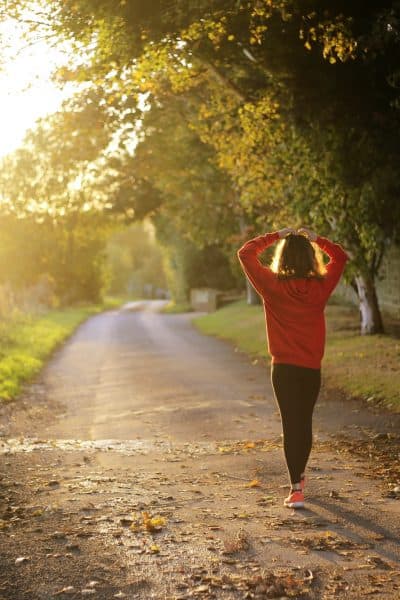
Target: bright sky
[{"x": 26, "y": 92}]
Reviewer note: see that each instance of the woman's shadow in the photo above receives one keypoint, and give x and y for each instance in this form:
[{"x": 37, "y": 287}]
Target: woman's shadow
[{"x": 343, "y": 513}]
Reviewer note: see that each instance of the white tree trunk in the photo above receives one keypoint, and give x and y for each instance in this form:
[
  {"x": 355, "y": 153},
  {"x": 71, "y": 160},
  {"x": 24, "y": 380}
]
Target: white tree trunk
[
  {"x": 252, "y": 297},
  {"x": 370, "y": 314}
]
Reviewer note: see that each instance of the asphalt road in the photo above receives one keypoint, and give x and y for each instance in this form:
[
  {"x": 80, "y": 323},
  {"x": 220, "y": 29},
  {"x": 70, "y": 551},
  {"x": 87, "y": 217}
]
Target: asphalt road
[
  {"x": 138, "y": 412},
  {"x": 137, "y": 373},
  {"x": 140, "y": 374}
]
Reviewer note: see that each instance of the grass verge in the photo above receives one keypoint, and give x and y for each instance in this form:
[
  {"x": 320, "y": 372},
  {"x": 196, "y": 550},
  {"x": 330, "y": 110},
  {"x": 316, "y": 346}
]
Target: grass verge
[
  {"x": 173, "y": 307},
  {"x": 28, "y": 340},
  {"x": 361, "y": 366}
]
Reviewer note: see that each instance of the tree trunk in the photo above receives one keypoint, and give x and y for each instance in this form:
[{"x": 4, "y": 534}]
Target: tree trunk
[
  {"x": 370, "y": 314},
  {"x": 253, "y": 298}
]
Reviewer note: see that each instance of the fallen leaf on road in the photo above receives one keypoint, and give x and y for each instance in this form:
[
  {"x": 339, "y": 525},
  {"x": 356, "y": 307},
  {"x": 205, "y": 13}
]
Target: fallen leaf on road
[
  {"x": 66, "y": 590},
  {"x": 253, "y": 483},
  {"x": 378, "y": 562},
  {"x": 328, "y": 541},
  {"x": 21, "y": 559},
  {"x": 201, "y": 589},
  {"x": 241, "y": 542},
  {"x": 58, "y": 535},
  {"x": 155, "y": 522},
  {"x": 72, "y": 546},
  {"x": 249, "y": 445},
  {"x": 152, "y": 523}
]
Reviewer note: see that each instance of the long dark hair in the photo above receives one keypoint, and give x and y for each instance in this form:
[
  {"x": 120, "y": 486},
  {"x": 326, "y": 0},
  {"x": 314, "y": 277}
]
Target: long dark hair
[{"x": 296, "y": 257}]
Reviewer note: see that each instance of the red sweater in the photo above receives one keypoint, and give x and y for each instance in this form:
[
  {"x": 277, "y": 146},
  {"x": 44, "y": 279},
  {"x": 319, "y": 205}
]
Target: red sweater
[{"x": 294, "y": 308}]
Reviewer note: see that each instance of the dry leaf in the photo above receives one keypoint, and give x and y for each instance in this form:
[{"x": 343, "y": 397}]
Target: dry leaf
[
  {"x": 152, "y": 523},
  {"x": 241, "y": 542},
  {"x": 65, "y": 590},
  {"x": 253, "y": 483}
]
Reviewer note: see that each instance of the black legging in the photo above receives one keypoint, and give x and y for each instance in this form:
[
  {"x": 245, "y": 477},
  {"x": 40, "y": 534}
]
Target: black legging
[{"x": 296, "y": 391}]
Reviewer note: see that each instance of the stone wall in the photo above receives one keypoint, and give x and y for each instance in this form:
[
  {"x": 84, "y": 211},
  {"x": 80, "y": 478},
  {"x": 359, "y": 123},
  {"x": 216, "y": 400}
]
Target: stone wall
[{"x": 387, "y": 284}]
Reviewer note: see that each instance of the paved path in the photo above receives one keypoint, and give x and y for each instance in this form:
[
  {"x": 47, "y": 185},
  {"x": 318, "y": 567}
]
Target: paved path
[{"x": 138, "y": 416}]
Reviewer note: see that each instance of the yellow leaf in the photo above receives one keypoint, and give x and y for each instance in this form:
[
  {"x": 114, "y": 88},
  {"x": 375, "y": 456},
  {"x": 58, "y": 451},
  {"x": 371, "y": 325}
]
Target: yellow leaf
[
  {"x": 152, "y": 523},
  {"x": 250, "y": 445},
  {"x": 253, "y": 483},
  {"x": 154, "y": 548},
  {"x": 158, "y": 521}
]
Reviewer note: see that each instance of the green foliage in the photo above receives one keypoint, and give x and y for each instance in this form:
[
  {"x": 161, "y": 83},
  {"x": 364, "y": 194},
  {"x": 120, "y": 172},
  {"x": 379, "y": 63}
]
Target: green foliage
[
  {"x": 269, "y": 112},
  {"x": 176, "y": 252},
  {"x": 134, "y": 260},
  {"x": 209, "y": 267},
  {"x": 50, "y": 173},
  {"x": 188, "y": 266},
  {"x": 70, "y": 251},
  {"x": 52, "y": 220}
]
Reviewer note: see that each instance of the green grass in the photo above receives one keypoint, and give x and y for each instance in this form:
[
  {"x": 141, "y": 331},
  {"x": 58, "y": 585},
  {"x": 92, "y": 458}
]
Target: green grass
[
  {"x": 111, "y": 302},
  {"x": 173, "y": 307},
  {"x": 27, "y": 341},
  {"x": 361, "y": 366}
]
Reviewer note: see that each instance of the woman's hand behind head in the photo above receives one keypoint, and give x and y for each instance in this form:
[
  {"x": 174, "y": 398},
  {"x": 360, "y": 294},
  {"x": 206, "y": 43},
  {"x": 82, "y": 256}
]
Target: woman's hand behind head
[
  {"x": 312, "y": 236},
  {"x": 286, "y": 231}
]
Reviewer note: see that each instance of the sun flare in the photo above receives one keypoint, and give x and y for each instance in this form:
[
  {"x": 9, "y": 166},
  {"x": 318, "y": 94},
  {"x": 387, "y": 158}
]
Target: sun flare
[{"x": 27, "y": 92}]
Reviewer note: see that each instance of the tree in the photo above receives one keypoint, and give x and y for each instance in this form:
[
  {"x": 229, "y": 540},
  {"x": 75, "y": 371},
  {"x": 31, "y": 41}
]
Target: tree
[
  {"x": 45, "y": 191},
  {"x": 71, "y": 251},
  {"x": 270, "y": 86},
  {"x": 134, "y": 260},
  {"x": 172, "y": 179}
]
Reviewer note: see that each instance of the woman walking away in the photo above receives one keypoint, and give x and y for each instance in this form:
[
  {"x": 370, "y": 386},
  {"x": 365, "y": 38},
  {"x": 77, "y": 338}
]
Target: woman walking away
[{"x": 294, "y": 292}]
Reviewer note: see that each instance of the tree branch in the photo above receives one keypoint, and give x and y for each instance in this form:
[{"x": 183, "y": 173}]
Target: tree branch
[{"x": 222, "y": 79}]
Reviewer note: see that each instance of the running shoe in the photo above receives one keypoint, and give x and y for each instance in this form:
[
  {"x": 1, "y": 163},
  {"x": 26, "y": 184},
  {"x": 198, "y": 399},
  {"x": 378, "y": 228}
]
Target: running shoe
[{"x": 295, "y": 499}]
